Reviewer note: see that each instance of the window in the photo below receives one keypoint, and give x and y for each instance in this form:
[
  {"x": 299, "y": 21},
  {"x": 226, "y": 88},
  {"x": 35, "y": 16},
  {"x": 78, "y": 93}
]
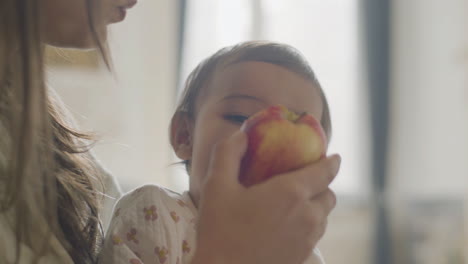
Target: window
[{"x": 326, "y": 32}]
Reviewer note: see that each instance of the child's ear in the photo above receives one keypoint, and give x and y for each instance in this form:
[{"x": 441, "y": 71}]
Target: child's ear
[{"x": 181, "y": 135}]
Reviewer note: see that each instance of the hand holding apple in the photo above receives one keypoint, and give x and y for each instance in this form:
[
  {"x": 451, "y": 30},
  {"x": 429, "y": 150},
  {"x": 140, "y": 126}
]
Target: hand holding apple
[{"x": 279, "y": 141}]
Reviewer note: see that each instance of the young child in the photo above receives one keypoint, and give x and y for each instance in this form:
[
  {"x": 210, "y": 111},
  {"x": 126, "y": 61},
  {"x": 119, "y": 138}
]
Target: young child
[{"x": 155, "y": 225}]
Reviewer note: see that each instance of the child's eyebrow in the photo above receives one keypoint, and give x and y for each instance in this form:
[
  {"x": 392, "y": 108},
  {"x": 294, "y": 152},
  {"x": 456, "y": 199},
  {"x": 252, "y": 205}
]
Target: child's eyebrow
[{"x": 245, "y": 97}]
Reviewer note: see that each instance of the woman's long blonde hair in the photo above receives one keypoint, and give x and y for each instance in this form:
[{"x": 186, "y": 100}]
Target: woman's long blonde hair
[{"x": 47, "y": 181}]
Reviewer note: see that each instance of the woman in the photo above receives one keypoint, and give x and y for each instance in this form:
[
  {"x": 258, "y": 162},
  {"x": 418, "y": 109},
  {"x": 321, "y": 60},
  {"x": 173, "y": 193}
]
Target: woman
[{"x": 50, "y": 186}]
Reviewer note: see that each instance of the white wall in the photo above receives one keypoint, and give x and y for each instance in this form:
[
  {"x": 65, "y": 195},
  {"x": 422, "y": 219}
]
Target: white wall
[{"x": 131, "y": 111}]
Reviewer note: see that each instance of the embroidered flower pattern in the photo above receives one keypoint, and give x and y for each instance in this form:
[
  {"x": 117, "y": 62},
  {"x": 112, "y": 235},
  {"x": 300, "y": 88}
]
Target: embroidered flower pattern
[
  {"x": 117, "y": 240},
  {"x": 150, "y": 213},
  {"x": 185, "y": 247},
  {"x": 162, "y": 254},
  {"x": 175, "y": 217},
  {"x": 131, "y": 236}
]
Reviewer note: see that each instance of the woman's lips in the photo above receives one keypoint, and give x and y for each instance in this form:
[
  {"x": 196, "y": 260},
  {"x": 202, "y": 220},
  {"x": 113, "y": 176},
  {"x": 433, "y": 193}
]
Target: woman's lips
[
  {"x": 121, "y": 11},
  {"x": 122, "y": 14}
]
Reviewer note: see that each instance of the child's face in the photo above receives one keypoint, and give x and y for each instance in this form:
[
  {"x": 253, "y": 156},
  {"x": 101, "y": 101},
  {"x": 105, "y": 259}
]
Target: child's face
[{"x": 234, "y": 94}]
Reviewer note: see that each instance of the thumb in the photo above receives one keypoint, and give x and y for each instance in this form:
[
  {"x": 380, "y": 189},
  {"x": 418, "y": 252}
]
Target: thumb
[{"x": 226, "y": 157}]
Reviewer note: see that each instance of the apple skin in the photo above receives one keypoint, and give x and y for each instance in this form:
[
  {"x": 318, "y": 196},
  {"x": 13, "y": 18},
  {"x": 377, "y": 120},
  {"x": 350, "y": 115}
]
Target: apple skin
[{"x": 279, "y": 141}]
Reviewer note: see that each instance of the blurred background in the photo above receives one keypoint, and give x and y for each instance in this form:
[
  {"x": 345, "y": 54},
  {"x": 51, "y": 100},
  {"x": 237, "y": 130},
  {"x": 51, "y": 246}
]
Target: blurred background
[{"x": 395, "y": 74}]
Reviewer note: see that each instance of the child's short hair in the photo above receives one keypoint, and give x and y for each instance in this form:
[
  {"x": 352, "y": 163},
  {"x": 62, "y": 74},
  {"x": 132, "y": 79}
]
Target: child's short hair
[{"x": 278, "y": 54}]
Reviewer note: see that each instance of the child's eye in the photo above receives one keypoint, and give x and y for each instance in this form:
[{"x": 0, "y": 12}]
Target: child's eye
[{"x": 236, "y": 118}]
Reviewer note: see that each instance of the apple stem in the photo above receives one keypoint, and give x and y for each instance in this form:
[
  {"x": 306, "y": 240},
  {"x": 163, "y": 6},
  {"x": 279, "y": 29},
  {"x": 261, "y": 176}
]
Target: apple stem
[{"x": 300, "y": 116}]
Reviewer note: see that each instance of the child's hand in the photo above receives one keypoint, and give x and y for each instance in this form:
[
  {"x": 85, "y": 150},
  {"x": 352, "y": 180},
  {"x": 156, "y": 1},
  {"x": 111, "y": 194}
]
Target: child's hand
[{"x": 278, "y": 221}]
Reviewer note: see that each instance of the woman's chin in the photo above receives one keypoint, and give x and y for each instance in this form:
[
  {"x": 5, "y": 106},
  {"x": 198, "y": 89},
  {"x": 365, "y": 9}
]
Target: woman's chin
[{"x": 78, "y": 41}]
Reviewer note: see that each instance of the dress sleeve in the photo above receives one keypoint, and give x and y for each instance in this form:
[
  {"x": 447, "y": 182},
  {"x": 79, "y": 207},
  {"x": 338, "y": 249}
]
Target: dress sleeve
[{"x": 141, "y": 231}]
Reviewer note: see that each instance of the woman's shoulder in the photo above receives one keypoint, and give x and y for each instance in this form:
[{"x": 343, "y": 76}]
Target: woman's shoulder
[{"x": 9, "y": 247}]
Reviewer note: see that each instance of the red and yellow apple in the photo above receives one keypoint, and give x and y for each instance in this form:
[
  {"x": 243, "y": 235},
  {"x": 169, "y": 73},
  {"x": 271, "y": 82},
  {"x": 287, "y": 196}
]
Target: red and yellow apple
[{"x": 279, "y": 141}]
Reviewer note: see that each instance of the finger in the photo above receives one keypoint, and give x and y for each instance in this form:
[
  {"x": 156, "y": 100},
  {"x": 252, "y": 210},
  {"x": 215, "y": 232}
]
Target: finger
[
  {"x": 321, "y": 230},
  {"x": 316, "y": 220},
  {"x": 225, "y": 162},
  {"x": 326, "y": 201},
  {"x": 318, "y": 211},
  {"x": 312, "y": 179}
]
